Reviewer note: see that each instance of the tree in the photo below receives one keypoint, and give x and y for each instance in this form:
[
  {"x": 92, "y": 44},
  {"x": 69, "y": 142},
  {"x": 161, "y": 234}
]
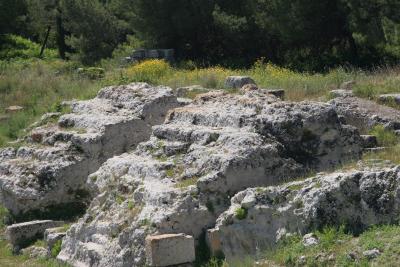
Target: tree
[
  {"x": 94, "y": 30},
  {"x": 46, "y": 18},
  {"x": 11, "y": 15}
]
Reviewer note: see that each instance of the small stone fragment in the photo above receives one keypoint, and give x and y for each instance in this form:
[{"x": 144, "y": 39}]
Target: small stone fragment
[
  {"x": 302, "y": 260},
  {"x": 352, "y": 255},
  {"x": 310, "y": 240},
  {"x": 35, "y": 252},
  {"x": 13, "y": 109},
  {"x": 169, "y": 249},
  {"x": 238, "y": 81},
  {"x": 340, "y": 93},
  {"x": 372, "y": 253}
]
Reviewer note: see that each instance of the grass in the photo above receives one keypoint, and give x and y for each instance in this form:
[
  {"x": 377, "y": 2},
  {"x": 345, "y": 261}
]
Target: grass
[
  {"x": 386, "y": 138},
  {"x": 333, "y": 249},
  {"x": 336, "y": 242},
  {"x": 39, "y": 86}
]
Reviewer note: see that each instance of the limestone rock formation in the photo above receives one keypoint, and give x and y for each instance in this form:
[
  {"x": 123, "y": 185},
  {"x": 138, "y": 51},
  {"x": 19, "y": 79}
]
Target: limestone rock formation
[
  {"x": 357, "y": 199},
  {"x": 364, "y": 114},
  {"x": 50, "y": 167},
  {"x": 182, "y": 179}
]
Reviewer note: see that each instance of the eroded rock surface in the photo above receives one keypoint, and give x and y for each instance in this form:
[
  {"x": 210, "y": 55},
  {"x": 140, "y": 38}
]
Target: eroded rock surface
[
  {"x": 365, "y": 114},
  {"x": 52, "y": 165},
  {"x": 356, "y": 199},
  {"x": 184, "y": 176}
]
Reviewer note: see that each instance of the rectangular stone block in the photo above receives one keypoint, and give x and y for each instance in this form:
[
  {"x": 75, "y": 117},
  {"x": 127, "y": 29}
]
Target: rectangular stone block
[
  {"x": 169, "y": 249},
  {"x": 22, "y": 233}
]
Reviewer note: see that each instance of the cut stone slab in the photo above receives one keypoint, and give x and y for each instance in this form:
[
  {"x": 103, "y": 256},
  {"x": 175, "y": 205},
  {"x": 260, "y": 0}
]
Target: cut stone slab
[
  {"x": 238, "y": 82},
  {"x": 390, "y": 98},
  {"x": 21, "y": 234},
  {"x": 169, "y": 249},
  {"x": 13, "y": 109},
  {"x": 49, "y": 170}
]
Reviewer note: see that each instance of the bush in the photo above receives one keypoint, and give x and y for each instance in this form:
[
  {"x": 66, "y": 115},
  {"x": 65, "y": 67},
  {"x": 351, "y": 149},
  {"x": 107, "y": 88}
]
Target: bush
[
  {"x": 385, "y": 137},
  {"x": 241, "y": 213},
  {"x": 17, "y": 47},
  {"x": 150, "y": 71},
  {"x": 92, "y": 73}
]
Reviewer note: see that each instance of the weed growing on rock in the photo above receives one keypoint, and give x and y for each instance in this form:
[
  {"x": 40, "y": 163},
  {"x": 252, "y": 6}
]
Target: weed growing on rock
[
  {"x": 241, "y": 213},
  {"x": 55, "y": 250}
]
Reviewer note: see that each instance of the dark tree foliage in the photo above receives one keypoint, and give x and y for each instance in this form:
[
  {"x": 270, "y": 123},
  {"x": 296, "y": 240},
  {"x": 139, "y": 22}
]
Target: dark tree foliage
[
  {"x": 11, "y": 15},
  {"x": 301, "y": 34}
]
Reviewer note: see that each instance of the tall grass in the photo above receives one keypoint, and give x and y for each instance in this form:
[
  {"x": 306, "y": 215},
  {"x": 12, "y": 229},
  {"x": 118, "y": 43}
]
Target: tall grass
[{"x": 39, "y": 87}]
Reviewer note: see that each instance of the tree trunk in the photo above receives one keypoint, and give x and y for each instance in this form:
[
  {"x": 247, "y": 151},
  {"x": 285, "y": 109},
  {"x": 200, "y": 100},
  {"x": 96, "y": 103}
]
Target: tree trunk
[{"x": 45, "y": 42}]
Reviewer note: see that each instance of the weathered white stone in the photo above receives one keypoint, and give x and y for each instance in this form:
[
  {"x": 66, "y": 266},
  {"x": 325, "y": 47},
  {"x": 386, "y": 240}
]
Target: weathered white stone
[
  {"x": 372, "y": 253},
  {"x": 35, "y": 252},
  {"x": 238, "y": 81},
  {"x": 310, "y": 240},
  {"x": 169, "y": 249},
  {"x": 183, "y": 177},
  {"x": 359, "y": 198},
  {"x": 22, "y": 233},
  {"x": 365, "y": 114},
  {"x": 341, "y": 93},
  {"x": 13, "y": 109},
  {"x": 51, "y": 169}
]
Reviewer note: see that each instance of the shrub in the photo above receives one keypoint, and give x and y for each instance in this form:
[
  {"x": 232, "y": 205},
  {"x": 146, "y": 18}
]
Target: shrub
[
  {"x": 13, "y": 47},
  {"x": 241, "y": 213},
  {"x": 92, "y": 72},
  {"x": 385, "y": 137},
  {"x": 150, "y": 71}
]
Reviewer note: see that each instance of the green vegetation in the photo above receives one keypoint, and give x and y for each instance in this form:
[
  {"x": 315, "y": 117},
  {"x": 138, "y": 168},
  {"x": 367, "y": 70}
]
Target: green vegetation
[
  {"x": 241, "y": 213},
  {"x": 339, "y": 244},
  {"x": 186, "y": 182},
  {"x": 55, "y": 250},
  {"x": 386, "y": 138},
  {"x": 39, "y": 86}
]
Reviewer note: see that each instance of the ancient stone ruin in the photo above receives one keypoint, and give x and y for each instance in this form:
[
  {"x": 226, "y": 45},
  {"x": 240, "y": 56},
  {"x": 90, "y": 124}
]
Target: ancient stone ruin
[{"x": 158, "y": 176}]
